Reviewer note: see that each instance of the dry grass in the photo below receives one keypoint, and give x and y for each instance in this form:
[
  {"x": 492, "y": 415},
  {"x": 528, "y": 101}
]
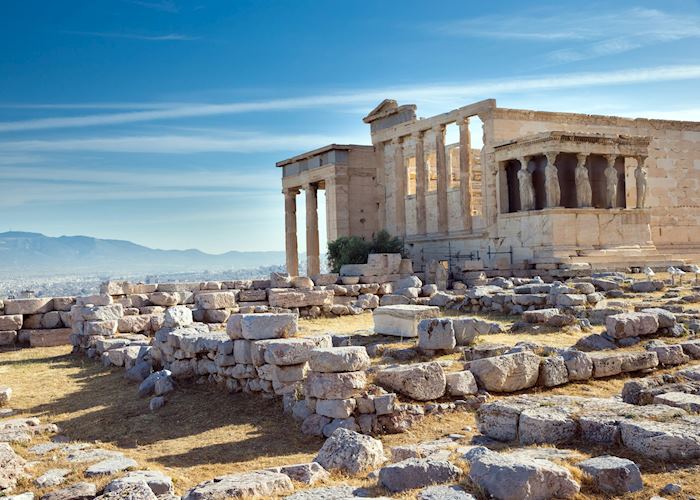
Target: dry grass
[{"x": 202, "y": 432}]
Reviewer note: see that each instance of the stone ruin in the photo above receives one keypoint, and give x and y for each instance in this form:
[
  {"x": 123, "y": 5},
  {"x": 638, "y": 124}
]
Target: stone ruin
[{"x": 425, "y": 356}]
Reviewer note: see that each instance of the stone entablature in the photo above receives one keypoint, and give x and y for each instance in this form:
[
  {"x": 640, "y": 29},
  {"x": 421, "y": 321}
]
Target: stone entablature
[{"x": 571, "y": 142}]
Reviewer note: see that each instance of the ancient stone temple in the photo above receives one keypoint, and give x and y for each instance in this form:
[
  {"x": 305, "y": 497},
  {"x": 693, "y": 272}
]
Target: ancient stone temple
[{"x": 545, "y": 191}]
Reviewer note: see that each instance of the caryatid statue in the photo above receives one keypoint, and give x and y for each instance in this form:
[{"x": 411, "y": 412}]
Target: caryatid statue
[
  {"x": 610, "y": 182},
  {"x": 527, "y": 191},
  {"x": 584, "y": 193},
  {"x": 551, "y": 181},
  {"x": 640, "y": 175}
]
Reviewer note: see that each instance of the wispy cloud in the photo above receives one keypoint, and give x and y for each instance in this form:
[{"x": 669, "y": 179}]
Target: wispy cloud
[
  {"x": 173, "y": 144},
  {"x": 162, "y": 5},
  {"x": 590, "y": 34},
  {"x": 422, "y": 94},
  {"x": 169, "y": 37}
]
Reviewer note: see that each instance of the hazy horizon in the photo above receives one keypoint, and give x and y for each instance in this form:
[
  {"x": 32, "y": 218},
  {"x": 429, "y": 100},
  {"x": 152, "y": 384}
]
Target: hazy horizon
[{"x": 160, "y": 122}]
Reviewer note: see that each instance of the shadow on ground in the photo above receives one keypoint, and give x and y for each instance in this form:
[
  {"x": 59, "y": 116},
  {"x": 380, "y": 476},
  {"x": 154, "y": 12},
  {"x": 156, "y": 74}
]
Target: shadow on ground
[{"x": 230, "y": 427}]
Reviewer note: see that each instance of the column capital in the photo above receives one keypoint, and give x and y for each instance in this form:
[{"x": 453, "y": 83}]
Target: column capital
[
  {"x": 551, "y": 157},
  {"x": 463, "y": 121},
  {"x": 611, "y": 159},
  {"x": 290, "y": 191},
  {"x": 582, "y": 157},
  {"x": 641, "y": 159},
  {"x": 397, "y": 140},
  {"x": 524, "y": 160},
  {"x": 418, "y": 134},
  {"x": 439, "y": 128}
]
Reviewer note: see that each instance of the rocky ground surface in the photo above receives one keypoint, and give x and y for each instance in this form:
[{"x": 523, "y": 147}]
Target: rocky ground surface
[{"x": 608, "y": 409}]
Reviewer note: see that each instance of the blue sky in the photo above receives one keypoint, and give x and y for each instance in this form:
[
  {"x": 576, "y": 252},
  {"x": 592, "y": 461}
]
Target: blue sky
[{"x": 160, "y": 121}]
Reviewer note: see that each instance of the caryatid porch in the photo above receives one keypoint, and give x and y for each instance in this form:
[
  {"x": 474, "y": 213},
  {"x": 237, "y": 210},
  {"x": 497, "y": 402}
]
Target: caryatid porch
[{"x": 563, "y": 192}]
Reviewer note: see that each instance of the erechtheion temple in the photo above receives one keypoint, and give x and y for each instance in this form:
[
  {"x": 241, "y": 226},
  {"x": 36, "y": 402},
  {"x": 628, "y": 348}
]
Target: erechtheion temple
[{"x": 547, "y": 190}]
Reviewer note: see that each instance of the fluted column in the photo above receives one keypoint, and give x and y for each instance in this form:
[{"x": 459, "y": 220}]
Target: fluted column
[
  {"x": 465, "y": 173},
  {"x": 421, "y": 184},
  {"x": 640, "y": 176},
  {"x": 442, "y": 179},
  {"x": 313, "y": 261},
  {"x": 290, "y": 231},
  {"x": 400, "y": 192},
  {"x": 584, "y": 193},
  {"x": 551, "y": 180},
  {"x": 611, "y": 182}
]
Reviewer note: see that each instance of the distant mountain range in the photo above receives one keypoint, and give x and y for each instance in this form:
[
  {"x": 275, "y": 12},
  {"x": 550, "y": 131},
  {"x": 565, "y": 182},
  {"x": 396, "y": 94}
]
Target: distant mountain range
[{"x": 32, "y": 254}]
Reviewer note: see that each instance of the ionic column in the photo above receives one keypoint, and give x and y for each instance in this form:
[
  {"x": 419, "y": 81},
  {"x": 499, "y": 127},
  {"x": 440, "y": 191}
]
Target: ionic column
[
  {"x": 584, "y": 193},
  {"x": 421, "y": 184},
  {"x": 442, "y": 178},
  {"x": 313, "y": 261},
  {"x": 465, "y": 173},
  {"x": 551, "y": 181},
  {"x": 400, "y": 178},
  {"x": 611, "y": 181},
  {"x": 640, "y": 176},
  {"x": 290, "y": 231}
]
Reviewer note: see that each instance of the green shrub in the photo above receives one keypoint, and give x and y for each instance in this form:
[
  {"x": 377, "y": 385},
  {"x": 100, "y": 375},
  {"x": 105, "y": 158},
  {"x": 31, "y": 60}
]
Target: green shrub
[{"x": 355, "y": 250}]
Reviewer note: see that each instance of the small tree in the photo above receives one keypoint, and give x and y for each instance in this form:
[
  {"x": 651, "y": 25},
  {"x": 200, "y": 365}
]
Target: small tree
[
  {"x": 355, "y": 250},
  {"x": 383, "y": 242}
]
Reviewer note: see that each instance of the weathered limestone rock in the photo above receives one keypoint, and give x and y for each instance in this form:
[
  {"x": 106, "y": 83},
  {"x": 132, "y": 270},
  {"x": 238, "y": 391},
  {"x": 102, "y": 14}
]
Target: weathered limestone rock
[
  {"x": 339, "y": 359},
  {"x": 553, "y": 372},
  {"x": 634, "y": 324},
  {"x": 215, "y": 300},
  {"x": 308, "y": 473},
  {"x": 415, "y": 473},
  {"x": 688, "y": 402},
  {"x": 692, "y": 348},
  {"x": 258, "y": 484},
  {"x": 287, "y": 351},
  {"x": 461, "y": 383},
  {"x": 110, "y": 466},
  {"x": 52, "y": 477},
  {"x": 444, "y": 493},
  {"x": 571, "y": 300},
  {"x": 159, "y": 483},
  {"x": 8, "y": 337},
  {"x": 147, "y": 387},
  {"x": 165, "y": 299},
  {"x": 436, "y": 334},
  {"x": 667, "y": 441},
  {"x": 177, "y": 316},
  {"x": 5, "y": 395},
  {"x": 420, "y": 381},
  {"x": 335, "y": 408},
  {"x": 77, "y": 491},
  {"x": 546, "y": 425},
  {"x": 129, "y": 491},
  {"x": 613, "y": 475},
  {"x": 266, "y": 325},
  {"x": 334, "y": 385},
  {"x": 313, "y": 424},
  {"x": 290, "y": 299},
  {"x": 11, "y": 322},
  {"x": 507, "y": 373},
  {"x": 669, "y": 355},
  {"x": 48, "y": 338},
  {"x": 28, "y": 306},
  {"x": 401, "y": 320},
  {"x": 12, "y": 467},
  {"x": 508, "y": 477},
  {"x": 350, "y": 452},
  {"x": 579, "y": 365}
]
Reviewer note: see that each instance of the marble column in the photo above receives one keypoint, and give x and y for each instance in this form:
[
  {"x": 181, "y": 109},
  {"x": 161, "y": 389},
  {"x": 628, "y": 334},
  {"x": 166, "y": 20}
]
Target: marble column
[
  {"x": 442, "y": 179},
  {"x": 611, "y": 181},
  {"x": 313, "y": 261},
  {"x": 527, "y": 190},
  {"x": 640, "y": 176},
  {"x": 584, "y": 193},
  {"x": 551, "y": 181},
  {"x": 290, "y": 231},
  {"x": 421, "y": 184},
  {"x": 400, "y": 191},
  {"x": 381, "y": 185},
  {"x": 465, "y": 173}
]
